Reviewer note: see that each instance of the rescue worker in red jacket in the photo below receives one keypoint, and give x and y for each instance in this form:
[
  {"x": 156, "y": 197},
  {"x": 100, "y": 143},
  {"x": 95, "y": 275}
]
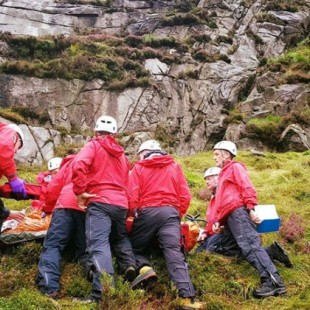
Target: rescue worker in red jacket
[
  {"x": 67, "y": 223},
  {"x": 11, "y": 140},
  {"x": 234, "y": 203},
  {"x": 159, "y": 197},
  {"x": 101, "y": 169},
  {"x": 224, "y": 242},
  {"x": 44, "y": 178}
]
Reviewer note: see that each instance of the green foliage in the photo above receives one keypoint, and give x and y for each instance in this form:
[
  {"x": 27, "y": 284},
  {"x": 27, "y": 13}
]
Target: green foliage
[
  {"x": 26, "y": 299},
  {"x": 245, "y": 91},
  {"x": 265, "y": 129},
  {"x": 83, "y": 57},
  {"x": 32, "y": 115},
  {"x": 224, "y": 39},
  {"x": 270, "y": 18},
  {"x": 257, "y": 39},
  {"x": 235, "y": 116},
  {"x": 192, "y": 74},
  {"x": 181, "y": 19},
  {"x": 283, "y": 5},
  {"x": 12, "y": 115},
  {"x": 28, "y": 253},
  {"x": 298, "y": 57},
  {"x": 201, "y": 38},
  {"x": 295, "y": 63},
  {"x": 186, "y": 5},
  {"x": 220, "y": 282}
]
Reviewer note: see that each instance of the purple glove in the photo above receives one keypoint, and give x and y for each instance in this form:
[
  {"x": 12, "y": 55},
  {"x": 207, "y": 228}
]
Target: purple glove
[{"x": 18, "y": 187}]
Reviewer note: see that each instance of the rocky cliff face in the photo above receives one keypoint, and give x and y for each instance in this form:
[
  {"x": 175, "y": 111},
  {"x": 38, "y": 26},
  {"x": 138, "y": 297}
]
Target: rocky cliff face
[{"x": 192, "y": 103}]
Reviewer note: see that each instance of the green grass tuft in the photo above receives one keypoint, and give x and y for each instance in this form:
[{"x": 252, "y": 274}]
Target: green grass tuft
[{"x": 220, "y": 282}]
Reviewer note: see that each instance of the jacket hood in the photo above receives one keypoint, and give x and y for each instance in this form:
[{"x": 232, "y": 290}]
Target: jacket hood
[
  {"x": 67, "y": 159},
  {"x": 156, "y": 161},
  {"x": 229, "y": 163},
  {"x": 110, "y": 145}
]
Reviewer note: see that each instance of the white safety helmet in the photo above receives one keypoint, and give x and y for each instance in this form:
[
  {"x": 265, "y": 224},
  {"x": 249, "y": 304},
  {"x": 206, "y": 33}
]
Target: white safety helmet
[
  {"x": 150, "y": 145},
  {"x": 212, "y": 171},
  {"x": 54, "y": 163},
  {"x": 19, "y": 131},
  {"x": 227, "y": 146},
  {"x": 106, "y": 123}
]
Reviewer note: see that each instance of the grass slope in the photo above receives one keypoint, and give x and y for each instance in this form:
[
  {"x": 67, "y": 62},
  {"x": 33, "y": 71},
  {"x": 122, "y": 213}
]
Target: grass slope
[{"x": 220, "y": 282}]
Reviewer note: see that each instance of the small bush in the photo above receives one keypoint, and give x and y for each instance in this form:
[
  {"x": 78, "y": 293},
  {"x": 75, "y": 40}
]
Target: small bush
[
  {"x": 27, "y": 299},
  {"x": 181, "y": 19},
  {"x": 28, "y": 253},
  {"x": 12, "y": 116},
  {"x": 257, "y": 39},
  {"x": 283, "y": 5},
  {"x": 265, "y": 129},
  {"x": 292, "y": 230},
  {"x": 269, "y": 18},
  {"x": 224, "y": 39},
  {"x": 204, "y": 194},
  {"x": 235, "y": 117},
  {"x": 201, "y": 38},
  {"x": 11, "y": 281}
]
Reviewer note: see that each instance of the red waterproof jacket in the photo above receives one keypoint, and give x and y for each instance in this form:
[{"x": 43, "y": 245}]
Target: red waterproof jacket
[
  {"x": 156, "y": 182},
  {"x": 210, "y": 217},
  {"x": 59, "y": 193},
  {"x": 43, "y": 178},
  {"x": 102, "y": 168},
  {"x": 234, "y": 190},
  {"x": 7, "y": 164}
]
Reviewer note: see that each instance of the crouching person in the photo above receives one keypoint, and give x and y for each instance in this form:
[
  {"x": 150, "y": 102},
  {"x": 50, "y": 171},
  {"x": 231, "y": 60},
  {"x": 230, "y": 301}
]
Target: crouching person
[
  {"x": 67, "y": 223},
  {"x": 160, "y": 196},
  {"x": 44, "y": 178},
  {"x": 224, "y": 242},
  {"x": 234, "y": 204}
]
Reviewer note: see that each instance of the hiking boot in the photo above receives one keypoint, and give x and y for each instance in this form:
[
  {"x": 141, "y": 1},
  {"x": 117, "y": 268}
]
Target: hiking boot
[
  {"x": 146, "y": 278},
  {"x": 189, "y": 303},
  {"x": 268, "y": 289},
  {"x": 130, "y": 274},
  {"x": 279, "y": 255}
]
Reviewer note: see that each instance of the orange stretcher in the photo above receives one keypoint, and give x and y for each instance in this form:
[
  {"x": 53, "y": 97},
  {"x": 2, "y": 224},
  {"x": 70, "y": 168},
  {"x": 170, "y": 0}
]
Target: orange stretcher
[{"x": 34, "y": 226}]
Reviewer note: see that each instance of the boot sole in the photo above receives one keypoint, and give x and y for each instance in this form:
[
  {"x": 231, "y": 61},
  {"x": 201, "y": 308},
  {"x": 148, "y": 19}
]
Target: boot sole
[
  {"x": 130, "y": 275},
  {"x": 146, "y": 280},
  {"x": 276, "y": 292}
]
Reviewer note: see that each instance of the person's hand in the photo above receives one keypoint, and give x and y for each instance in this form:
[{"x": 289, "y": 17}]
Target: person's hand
[
  {"x": 18, "y": 187},
  {"x": 254, "y": 217},
  {"x": 201, "y": 237},
  {"x": 16, "y": 215},
  {"x": 217, "y": 228},
  {"x": 82, "y": 199}
]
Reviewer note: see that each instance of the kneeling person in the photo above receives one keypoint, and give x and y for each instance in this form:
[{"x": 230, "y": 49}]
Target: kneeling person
[{"x": 160, "y": 196}]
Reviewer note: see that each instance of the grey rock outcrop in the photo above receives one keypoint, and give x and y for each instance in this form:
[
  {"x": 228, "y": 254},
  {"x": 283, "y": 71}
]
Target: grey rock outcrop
[{"x": 187, "y": 113}]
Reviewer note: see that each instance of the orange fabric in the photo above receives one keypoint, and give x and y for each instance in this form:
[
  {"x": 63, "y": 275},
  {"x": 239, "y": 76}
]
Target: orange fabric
[
  {"x": 190, "y": 233},
  {"x": 32, "y": 222}
]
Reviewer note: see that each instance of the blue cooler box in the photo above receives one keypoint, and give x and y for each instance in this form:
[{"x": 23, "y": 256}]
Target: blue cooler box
[{"x": 270, "y": 219}]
